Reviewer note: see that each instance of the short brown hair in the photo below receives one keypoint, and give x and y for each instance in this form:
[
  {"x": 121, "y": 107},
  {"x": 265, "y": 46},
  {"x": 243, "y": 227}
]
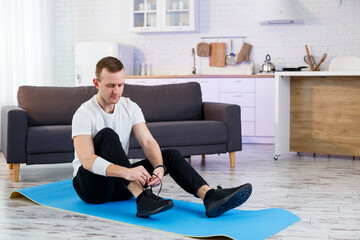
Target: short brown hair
[{"x": 110, "y": 63}]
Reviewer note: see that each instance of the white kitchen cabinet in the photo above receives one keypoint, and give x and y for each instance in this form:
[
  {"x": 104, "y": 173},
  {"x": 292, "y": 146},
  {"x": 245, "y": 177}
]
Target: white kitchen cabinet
[
  {"x": 255, "y": 96},
  {"x": 209, "y": 88},
  {"x": 247, "y": 114},
  {"x": 164, "y": 15},
  {"x": 155, "y": 81},
  {"x": 240, "y": 91},
  {"x": 172, "y": 80},
  {"x": 245, "y": 101},
  {"x": 265, "y": 102},
  {"x": 247, "y": 129},
  {"x": 240, "y": 98},
  {"x": 146, "y": 15},
  {"x": 237, "y": 85},
  {"x": 142, "y": 81}
]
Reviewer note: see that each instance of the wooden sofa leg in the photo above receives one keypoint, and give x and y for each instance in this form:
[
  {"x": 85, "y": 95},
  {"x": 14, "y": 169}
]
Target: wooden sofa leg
[
  {"x": 10, "y": 166},
  {"x": 16, "y": 171},
  {"x": 232, "y": 159},
  {"x": 203, "y": 158}
]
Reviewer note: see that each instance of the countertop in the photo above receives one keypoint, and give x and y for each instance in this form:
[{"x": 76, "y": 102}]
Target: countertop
[
  {"x": 318, "y": 73},
  {"x": 276, "y": 74},
  {"x": 201, "y": 76}
]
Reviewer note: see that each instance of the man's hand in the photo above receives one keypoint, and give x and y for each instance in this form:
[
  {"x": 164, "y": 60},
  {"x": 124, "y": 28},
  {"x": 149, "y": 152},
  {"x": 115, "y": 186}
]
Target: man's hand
[
  {"x": 155, "y": 180},
  {"x": 138, "y": 173},
  {"x": 152, "y": 151}
]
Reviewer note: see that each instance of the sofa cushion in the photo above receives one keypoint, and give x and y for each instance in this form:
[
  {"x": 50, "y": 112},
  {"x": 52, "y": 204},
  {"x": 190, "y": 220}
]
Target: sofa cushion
[
  {"x": 171, "y": 102},
  {"x": 49, "y": 139},
  {"x": 186, "y": 133},
  {"x": 57, "y": 105},
  {"x": 52, "y": 105}
]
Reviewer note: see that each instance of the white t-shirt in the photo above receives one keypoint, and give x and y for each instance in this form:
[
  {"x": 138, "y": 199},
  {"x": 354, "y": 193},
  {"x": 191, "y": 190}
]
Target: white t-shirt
[{"x": 90, "y": 118}]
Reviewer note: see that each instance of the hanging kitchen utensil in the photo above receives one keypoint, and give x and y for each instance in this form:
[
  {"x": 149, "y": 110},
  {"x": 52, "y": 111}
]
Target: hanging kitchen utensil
[
  {"x": 317, "y": 68},
  {"x": 194, "y": 65},
  {"x": 244, "y": 54},
  {"x": 203, "y": 49},
  {"x": 231, "y": 58},
  {"x": 217, "y": 54}
]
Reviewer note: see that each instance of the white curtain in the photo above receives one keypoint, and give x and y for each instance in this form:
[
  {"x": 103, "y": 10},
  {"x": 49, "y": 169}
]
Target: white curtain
[{"x": 27, "y": 46}]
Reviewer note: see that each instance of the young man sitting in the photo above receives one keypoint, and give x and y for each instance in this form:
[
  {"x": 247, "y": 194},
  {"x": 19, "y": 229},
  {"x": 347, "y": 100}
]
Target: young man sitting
[{"x": 101, "y": 130}]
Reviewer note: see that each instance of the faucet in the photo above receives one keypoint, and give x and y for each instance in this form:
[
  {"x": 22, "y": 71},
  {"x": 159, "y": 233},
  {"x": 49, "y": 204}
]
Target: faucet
[{"x": 194, "y": 68}]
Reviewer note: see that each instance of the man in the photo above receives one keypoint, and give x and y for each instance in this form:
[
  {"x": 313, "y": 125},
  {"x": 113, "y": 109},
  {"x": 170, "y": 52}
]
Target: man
[{"x": 101, "y": 130}]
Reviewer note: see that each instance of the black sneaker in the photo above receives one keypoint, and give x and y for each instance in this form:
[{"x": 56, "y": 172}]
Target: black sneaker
[
  {"x": 150, "y": 204},
  {"x": 222, "y": 200}
]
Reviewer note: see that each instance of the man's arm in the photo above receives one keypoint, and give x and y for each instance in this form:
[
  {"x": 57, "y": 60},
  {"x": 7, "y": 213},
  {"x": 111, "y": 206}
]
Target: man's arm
[
  {"x": 84, "y": 146},
  {"x": 151, "y": 149}
]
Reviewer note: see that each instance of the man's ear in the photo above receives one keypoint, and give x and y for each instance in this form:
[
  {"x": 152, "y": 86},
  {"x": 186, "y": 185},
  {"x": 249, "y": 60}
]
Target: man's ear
[{"x": 96, "y": 83}]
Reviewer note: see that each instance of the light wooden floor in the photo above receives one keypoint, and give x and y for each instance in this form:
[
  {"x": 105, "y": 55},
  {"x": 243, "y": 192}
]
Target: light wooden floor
[{"x": 323, "y": 191}]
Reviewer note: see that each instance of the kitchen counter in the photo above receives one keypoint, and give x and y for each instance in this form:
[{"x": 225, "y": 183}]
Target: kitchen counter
[
  {"x": 200, "y": 76},
  {"x": 318, "y": 73},
  {"x": 317, "y": 112},
  {"x": 254, "y": 93},
  {"x": 275, "y": 75}
]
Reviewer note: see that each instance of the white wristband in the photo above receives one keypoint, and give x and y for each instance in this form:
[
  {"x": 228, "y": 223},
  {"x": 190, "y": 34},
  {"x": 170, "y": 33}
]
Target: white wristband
[{"x": 100, "y": 165}]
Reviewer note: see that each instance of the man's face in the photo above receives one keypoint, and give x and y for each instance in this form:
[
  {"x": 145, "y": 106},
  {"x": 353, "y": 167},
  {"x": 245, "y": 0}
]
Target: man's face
[{"x": 110, "y": 85}]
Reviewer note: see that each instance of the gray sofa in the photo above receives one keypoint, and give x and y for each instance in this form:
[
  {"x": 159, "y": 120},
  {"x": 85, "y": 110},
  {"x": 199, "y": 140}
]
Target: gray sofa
[{"x": 38, "y": 130}]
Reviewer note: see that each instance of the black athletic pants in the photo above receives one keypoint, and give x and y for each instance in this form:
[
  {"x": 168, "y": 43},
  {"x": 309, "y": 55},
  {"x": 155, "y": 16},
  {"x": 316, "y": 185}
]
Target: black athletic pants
[{"x": 93, "y": 188}]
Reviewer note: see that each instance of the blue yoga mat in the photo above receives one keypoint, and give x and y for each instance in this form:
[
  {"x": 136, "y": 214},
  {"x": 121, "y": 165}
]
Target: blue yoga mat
[{"x": 185, "y": 218}]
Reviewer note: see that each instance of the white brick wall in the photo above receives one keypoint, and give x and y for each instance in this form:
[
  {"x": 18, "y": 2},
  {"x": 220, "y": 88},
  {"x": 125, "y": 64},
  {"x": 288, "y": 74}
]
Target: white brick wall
[
  {"x": 65, "y": 32},
  {"x": 331, "y": 26}
]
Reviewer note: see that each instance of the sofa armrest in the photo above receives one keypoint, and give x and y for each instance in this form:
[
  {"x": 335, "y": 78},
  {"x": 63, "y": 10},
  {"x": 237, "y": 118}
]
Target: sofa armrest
[
  {"x": 14, "y": 130},
  {"x": 230, "y": 115}
]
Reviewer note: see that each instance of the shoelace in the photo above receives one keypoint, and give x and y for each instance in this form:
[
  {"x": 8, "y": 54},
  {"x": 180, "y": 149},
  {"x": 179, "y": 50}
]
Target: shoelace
[
  {"x": 160, "y": 184},
  {"x": 151, "y": 188}
]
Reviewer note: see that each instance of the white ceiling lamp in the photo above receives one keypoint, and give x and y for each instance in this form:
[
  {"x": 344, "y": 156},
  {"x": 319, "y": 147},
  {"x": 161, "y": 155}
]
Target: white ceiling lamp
[{"x": 279, "y": 12}]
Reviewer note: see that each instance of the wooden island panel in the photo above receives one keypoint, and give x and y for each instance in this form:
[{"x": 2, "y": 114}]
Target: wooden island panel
[{"x": 325, "y": 114}]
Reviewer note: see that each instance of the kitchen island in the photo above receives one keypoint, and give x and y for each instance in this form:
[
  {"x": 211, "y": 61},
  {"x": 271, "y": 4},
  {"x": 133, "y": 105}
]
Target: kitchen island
[{"x": 317, "y": 112}]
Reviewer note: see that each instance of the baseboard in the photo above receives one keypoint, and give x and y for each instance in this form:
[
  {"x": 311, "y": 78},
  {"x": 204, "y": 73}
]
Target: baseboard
[{"x": 264, "y": 140}]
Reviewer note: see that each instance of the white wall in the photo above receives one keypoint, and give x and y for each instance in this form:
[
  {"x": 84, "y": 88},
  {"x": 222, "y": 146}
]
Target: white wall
[{"x": 331, "y": 26}]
